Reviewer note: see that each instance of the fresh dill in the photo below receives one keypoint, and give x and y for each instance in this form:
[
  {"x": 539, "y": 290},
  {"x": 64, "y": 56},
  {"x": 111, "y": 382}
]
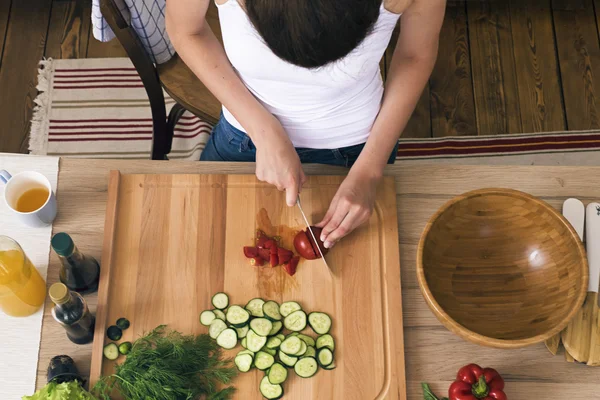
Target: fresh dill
[{"x": 167, "y": 365}]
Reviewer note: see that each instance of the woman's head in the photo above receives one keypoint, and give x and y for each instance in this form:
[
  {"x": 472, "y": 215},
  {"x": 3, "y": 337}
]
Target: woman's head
[{"x": 313, "y": 33}]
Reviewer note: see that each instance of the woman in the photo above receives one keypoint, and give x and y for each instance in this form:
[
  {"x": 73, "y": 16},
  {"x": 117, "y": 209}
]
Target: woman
[{"x": 299, "y": 82}]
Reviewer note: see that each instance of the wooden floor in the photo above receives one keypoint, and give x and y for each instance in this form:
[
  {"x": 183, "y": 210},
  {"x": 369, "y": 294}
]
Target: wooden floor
[{"x": 504, "y": 66}]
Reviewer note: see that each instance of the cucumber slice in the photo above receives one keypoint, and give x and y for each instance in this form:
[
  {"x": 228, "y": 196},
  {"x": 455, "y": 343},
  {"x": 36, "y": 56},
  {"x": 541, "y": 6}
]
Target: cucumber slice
[
  {"x": 291, "y": 345},
  {"x": 310, "y": 352},
  {"x": 206, "y": 317},
  {"x": 245, "y": 344},
  {"x": 277, "y": 325},
  {"x": 125, "y": 348},
  {"x": 237, "y": 316},
  {"x": 243, "y": 362},
  {"x": 302, "y": 350},
  {"x": 227, "y": 339},
  {"x": 330, "y": 366},
  {"x": 290, "y": 361},
  {"x": 255, "y": 342},
  {"x": 325, "y": 357},
  {"x": 273, "y": 343},
  {"x": 220, "y": 301},
  {"x": 255, "y": 306},
  {"x": 263, "y": 360},
  {"x": 242, "y": 332},
  {"x": 306, "y": 367},
  {"x": 216, "y": 327},
  {"x": 319, "y": 322},
  {"x": 123, "y": 323},
  {"x": 271, "y": 311},
  {"x": 277, "y": 374},
  {"x": 270, "y": 351},
  {"x": 325, "y": 341},
  {"x": 246, "y": 351},
  {"x": 294, "y": 334},
  {"x": 219, "y": 314},
  {"x": 114, "y": 332},
  {"x": 261, "y": 326},
  {"x": 280, "y": 336},
  {"x": 270, "y": 391},
  {"x": 111, "y": 351},
  {"x": 296, "y": 321},
  {"x": 289, "y": 307},
  {"x": 307, "y": 339}
]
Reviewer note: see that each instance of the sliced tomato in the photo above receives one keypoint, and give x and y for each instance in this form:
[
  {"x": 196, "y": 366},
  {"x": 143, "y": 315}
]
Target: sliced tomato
[
  {"x": 250, "y": 251},
  {"x": 257, "y": 261},
  {"x": 274, "y": 260},
  {"x": 265, "y": 254},
  {"x": 261, "y": 239},
  {"x": 291, "y": 267},
  {"x": 303, "y": 246},
  {"x": 284, "y": 255},
  {"x": 270, "y": 243},
  {"x": 274, "y": 249}
]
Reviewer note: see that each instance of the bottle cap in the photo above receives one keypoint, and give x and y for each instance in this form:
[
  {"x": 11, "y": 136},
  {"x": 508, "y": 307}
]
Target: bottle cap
[
  {"x": 59, "y": 293},
  {"x": 62, "y": 244}
]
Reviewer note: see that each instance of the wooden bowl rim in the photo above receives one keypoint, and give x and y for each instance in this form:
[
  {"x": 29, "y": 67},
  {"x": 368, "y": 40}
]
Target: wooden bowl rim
[{"x": 475, "y": 337}]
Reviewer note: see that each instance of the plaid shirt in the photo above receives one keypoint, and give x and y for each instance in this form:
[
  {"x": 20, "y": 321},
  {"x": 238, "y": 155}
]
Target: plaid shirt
[{"x": 147, "y": 17}]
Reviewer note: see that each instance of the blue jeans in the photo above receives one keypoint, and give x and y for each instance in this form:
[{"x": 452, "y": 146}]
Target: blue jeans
[{"x": 227, "y": 143}]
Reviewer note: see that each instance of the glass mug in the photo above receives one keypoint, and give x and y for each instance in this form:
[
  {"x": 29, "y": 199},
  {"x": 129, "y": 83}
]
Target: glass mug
[{"x": 22, "y": 288}]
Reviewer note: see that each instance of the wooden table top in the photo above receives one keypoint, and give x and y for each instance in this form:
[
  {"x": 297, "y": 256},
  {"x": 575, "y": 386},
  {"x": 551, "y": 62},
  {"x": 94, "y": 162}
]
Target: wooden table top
[{"x": 433, "y": 354}]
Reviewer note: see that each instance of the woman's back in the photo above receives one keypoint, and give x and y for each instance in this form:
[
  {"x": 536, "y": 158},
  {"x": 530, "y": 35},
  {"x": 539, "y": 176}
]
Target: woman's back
[{"x": 326, "y": 107}]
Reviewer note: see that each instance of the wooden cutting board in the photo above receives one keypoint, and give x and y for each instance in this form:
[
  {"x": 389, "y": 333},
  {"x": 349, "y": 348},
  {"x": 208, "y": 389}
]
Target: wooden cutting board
[{"x": 172, "y": 241}]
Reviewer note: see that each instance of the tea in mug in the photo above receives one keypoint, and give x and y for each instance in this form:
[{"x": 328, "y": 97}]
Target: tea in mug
[{"x": 32, "y": 199}]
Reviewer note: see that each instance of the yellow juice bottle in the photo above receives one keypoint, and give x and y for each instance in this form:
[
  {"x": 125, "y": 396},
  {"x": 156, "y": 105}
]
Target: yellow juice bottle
[{"x": 22, "y": 289}]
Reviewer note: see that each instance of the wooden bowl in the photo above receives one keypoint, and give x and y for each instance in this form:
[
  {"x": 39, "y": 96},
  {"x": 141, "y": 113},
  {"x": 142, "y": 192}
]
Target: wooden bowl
[{"x": 501, "y": 268}]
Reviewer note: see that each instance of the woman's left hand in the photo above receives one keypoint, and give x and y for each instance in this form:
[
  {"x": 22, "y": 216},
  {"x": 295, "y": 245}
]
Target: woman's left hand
[{"x": 351, "y": 206}]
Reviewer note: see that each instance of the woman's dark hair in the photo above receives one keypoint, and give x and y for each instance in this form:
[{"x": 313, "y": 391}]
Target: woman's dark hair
[{"x": 312, "y": 33}]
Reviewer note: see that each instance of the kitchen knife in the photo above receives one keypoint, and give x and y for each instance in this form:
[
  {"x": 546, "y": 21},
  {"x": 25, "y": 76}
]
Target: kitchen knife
[
  {"x": 574, "y": 211},
  {"x": 578, "y": 335},
  {"x": 312, "y": 234}
]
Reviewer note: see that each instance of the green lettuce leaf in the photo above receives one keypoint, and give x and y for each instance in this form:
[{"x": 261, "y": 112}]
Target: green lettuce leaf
[{"x": 62, "y": 391}]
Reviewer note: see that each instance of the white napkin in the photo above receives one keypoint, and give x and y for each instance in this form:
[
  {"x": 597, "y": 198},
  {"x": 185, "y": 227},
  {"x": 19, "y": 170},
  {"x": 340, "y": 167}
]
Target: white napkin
[{"x": 20, "y": 337}]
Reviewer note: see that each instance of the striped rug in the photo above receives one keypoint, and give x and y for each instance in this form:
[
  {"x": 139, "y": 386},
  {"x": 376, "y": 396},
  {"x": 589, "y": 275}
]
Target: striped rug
[{"x": 98, "y": 108}]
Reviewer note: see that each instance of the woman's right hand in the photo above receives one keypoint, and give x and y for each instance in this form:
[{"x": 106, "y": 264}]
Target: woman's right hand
[{"x": 277, "y": 161}]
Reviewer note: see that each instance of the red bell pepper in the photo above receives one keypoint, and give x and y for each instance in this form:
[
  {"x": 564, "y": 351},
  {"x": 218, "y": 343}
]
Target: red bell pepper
[{"x": 476, "y": 383}]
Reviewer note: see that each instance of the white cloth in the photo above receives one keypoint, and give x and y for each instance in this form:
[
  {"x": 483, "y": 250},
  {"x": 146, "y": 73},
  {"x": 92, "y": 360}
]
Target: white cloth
[
  {"x": 147, "y": 17},
  {"x": 20, "y": 337},
  {"x": 323, "y": 108}
]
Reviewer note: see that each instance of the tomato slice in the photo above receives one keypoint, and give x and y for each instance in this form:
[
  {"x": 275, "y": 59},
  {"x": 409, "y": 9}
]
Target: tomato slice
[
  {"x": 303, "y": 246},
  {"x": 274, "y": 260},
  {"x": 270, "y": 243},
  {"x": 257, "y": 261},
  {"x": 284, "y": 255},
  {"x": 261, "y": 239},
  {"x": 291, "y": 267},
  {"x": 250, "y": 251},
  {"x": 265, "y": 254}
]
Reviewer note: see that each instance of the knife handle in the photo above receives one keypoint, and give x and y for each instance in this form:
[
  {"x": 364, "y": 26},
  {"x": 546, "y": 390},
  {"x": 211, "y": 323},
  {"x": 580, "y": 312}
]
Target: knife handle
[
  {"x": 592, "y": 233},
  {"x": 574, "y": 212}
]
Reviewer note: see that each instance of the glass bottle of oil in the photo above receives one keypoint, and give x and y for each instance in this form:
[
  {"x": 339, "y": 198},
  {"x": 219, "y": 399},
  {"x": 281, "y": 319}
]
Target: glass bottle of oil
[
  {"x": 79, "y": 272},
  {"x": 71, "y": 311}
]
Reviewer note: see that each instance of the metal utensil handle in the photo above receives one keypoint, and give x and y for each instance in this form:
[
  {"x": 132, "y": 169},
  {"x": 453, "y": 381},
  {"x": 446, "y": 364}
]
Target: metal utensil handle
[{"x": 592, "y": 234}]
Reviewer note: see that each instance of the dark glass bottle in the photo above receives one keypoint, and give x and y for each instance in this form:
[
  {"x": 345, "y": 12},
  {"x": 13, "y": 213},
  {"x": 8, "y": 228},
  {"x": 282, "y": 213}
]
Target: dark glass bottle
[
  {"x": 79, "y": 272},
  {"x": 72, "y": 313}
]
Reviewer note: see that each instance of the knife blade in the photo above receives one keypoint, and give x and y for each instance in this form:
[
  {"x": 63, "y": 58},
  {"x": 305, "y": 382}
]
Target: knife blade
[{"x": 312, "y": 234}]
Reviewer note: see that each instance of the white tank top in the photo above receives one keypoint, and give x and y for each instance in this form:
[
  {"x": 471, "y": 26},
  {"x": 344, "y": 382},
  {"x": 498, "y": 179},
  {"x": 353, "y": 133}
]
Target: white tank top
[{"x": 329, "y": 107}]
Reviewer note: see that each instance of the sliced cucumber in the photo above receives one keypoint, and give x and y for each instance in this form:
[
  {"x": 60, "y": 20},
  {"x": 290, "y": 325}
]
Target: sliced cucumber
[
  {"x": 263, "y": 360},
  {"x": 114, "y": 332},
  {"x": 219, "y": 314},
  {"x": 273, "y": 343},
  {"x": 271, "y": 311},
  {"x": 307, "y": 339},
  {"x": 280, "y": 336},
  {"x": 330, "y": 366},
  {"x": 325, "y": 357},
  {"x": 290, "y": 361},
  {"x": 245, "y": 351},
  {"x": 291, "y": 345},
  {"x": 261, "y": 326},
  {"x": 237, "y": 316},
  {"x": 325, "y": 341},
  {"x": 255, "y": 306},
  {"x": 270, "y": 351},
  {"x": 270, "y": 391},
  {"x": 206, "y": 317},
  {"x": 216, "y": 327},
  {"x": 243, "y": 362},
  {"x": 277, "y": 374},
  {"x": 255, "y": 342},
  {"x": 123, "y": 323},
  {"x": 306, "y": 367},
  {"x": 125, "y": 348},
  {"x": 302, "y": 350},
  {"x": 289, "y": 307},
  {"x": 244, "y": 343},
  {"x": 277, "y": 325},
  {"x": 227, "y": 339},
  {"x": 242, "y": 332},
  {"x": 296, "y": 321},
  {"x": 310, "y": 352},
  {"x": 111, "y": 351},
  {"x": 319, "y": 322},
  {"x": 294, "y": 334},
  {"x": 220, "y": 301}
]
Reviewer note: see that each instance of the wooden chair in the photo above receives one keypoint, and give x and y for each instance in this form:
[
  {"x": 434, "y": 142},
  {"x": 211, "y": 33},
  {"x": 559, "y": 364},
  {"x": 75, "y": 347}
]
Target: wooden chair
[{"x": 174, "y": 76}]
